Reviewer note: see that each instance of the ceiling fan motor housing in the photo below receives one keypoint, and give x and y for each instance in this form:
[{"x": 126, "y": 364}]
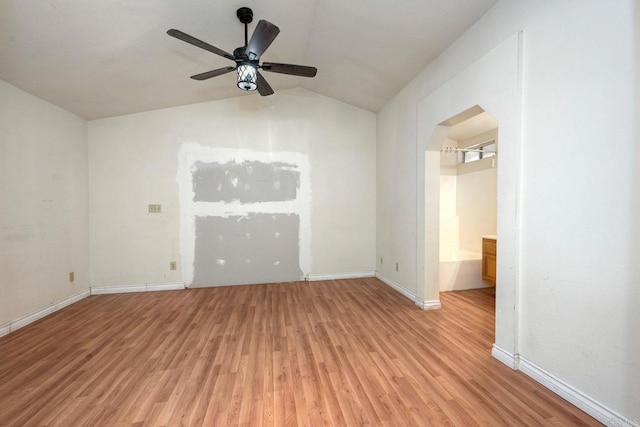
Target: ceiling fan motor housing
[
  {"x": 245, "y": 15},
  {"x": 240, "y": 54}
]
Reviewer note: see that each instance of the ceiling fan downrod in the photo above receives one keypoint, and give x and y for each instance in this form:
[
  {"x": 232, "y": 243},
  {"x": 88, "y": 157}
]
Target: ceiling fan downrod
[{"x": 245, "y": 15}]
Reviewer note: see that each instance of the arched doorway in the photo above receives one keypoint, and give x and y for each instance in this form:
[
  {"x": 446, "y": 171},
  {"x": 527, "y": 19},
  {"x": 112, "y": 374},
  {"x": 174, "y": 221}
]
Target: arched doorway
[{"x": 491, "y": 84}]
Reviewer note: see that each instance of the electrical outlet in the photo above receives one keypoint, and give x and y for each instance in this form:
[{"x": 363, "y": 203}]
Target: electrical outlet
[
  {"x": 155, "y": 208},
  {"x": 380, "y": 260},
  {"x": 72, "y": 276},
  {"x": 173, "y": 265},
  {"x": 397, "y": 267}
]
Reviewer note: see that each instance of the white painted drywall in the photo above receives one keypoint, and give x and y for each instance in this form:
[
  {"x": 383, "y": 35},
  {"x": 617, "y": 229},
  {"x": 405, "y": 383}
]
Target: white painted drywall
[
  {"x": 449, "y": 219},
  {"x": 44, "y": 225},
  {"x": 477, "y": 205},
  {"x": 133, "y": 161},
  {"x": 576, "y": 270},
  {"x": 396, "y": 191}
]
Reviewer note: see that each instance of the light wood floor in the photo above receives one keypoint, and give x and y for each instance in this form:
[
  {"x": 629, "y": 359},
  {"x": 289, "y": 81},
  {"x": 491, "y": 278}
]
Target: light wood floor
[{"x": 347, "y": 352}]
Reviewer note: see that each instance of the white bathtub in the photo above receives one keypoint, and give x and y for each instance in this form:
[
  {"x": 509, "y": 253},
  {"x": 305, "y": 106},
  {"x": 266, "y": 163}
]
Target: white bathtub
[{"x": 461, "y": 270}]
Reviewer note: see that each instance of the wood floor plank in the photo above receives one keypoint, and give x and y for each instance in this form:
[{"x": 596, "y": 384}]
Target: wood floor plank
[{"x": 340, "y": 352}]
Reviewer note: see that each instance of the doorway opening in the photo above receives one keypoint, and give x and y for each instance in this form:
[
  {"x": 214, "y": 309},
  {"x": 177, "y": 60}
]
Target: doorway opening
[
  {"x": 493, "y": 83},
  {"x": 468, "y": 205}
]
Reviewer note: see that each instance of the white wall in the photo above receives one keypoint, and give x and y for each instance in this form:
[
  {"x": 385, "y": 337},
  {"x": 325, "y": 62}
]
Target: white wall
[
  {"x": 449, "y": 219},
  {"x": 395, "y": 193},
  {"x": 133, "y": 161},
  {"x": 468, "y": 205},
  {"x": 577, "y": 274},
  {"x": 44, "y": 226},
  {"x": 476, "y": 201}
]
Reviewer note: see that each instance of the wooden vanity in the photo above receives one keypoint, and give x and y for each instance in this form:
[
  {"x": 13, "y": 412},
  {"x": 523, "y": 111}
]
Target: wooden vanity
[{"x": 489, "y": 252}]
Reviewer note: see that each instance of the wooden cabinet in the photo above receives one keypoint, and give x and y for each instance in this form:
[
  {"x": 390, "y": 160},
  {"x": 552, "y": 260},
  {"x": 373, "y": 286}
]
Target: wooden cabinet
[{"x": 489, "y": 252}]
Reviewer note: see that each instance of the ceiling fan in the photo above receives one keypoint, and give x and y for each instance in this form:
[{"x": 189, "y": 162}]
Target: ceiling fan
[{"x": 247, "y": 57}]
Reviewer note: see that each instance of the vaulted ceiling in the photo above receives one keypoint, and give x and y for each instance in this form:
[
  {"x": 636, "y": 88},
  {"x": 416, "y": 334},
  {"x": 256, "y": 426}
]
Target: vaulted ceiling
[{"x": 112, "y": 57}]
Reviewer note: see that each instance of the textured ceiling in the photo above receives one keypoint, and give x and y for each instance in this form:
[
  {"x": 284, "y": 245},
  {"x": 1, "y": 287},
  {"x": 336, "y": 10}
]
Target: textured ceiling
[{"x": 112, "y": 57}]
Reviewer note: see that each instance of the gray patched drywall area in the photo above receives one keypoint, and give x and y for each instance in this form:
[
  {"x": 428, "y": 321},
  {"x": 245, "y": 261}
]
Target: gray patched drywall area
[
  {"x": 252, "y": 248},
  {"x": 246, "y": 182}
]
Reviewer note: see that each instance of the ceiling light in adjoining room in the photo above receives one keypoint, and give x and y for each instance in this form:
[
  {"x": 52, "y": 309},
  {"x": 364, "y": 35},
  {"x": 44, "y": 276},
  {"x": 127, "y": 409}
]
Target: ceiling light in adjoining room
[{"x": 247, "y": 77}]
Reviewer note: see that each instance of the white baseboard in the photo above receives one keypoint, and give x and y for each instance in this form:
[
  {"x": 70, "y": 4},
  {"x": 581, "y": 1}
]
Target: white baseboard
[
  {"x": 562, "y": 389},
  {"x": 105, "y": 290},
  {"x": 166, "y": 287},
  {"x": 339, "y": 276},
  {"x": 512, "y": 361},
  {"x": 30, "y": 318},
  {"x": 429, "y": 305},
  {"x": 574, "y": 396},
  {"x": 424, "y": 305},
  {"x": 5, "y": 329},
  {"x": 395, "y": 285}
]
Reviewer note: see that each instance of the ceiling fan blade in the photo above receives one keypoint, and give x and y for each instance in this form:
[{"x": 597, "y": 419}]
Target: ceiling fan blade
[
  {"x": 263, "y": 87},
  {"x": 295, "y": 70},
  {"x": 199, "y": 43},
  {"x": 261, "y": 39},
  {"x": 213, "y": 73}
]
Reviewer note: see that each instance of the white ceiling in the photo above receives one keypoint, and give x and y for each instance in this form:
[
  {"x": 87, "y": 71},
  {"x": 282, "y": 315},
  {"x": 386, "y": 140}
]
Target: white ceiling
[
  {"x": 473, "y": 126},
  {"x": 112, "y": 57}
]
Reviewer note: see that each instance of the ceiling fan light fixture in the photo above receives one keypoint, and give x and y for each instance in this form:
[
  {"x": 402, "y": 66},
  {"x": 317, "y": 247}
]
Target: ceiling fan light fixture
[
  {"x": 247, "y": 76},
  {"x": 247, "y": 57}
]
